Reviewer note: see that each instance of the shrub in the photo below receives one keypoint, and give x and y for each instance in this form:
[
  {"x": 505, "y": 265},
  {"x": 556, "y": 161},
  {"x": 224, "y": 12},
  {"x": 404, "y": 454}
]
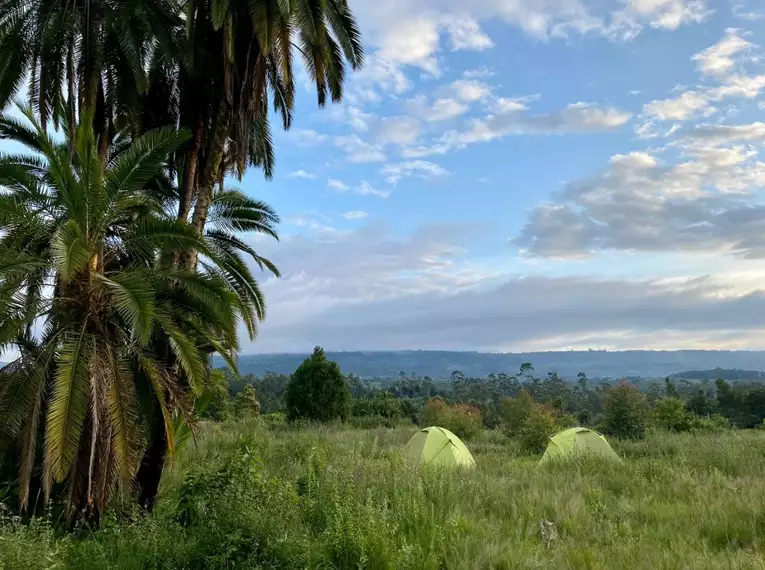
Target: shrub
[
  {"x": 624, "y": 412},
  {"x": 386, "y": 405},
  {"x": 411, "y": 409},
  {"x": 247, "y": 401},
  {"x": 538, "y": 426},
  {"x": 317, "y": 391},
  {"x": 463, "y": 420},
  {"x": 433, "y": 413},
  {"x": 515, "y": 411},
  {"x": 669, "y": 414},
  {"x": 713, "y": 423},
  {"x": 215, "y": 399}
]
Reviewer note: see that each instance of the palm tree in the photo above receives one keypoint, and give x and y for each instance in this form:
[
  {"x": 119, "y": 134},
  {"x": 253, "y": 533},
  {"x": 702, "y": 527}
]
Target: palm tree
[
  {"x": 88, "y": 54},
  {"x": 109, "y": 334},
  {"x": 239, "y": 62}
]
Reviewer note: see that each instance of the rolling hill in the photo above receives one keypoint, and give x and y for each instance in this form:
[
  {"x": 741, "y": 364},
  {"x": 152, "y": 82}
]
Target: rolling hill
[{"x": 440, "y": 364}]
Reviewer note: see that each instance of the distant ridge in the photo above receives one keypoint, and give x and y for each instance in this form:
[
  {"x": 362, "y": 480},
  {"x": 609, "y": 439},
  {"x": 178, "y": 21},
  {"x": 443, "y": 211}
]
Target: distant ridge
[
  {"x": 715, "y": 373},
  {"x": 440, "y": 364}
]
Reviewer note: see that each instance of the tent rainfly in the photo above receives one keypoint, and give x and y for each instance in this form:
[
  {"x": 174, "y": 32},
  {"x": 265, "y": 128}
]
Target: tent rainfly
[
  {"x": 576, "y": 442},
  {"x": 438, "y": 446}
]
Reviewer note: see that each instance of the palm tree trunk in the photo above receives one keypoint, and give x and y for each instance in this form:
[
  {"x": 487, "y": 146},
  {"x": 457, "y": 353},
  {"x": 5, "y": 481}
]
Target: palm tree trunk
[
  {"x": 101, "y": 126},
  {"x": 210, "y": 173},
  {"x": 190, "y": 171},
  {"x": 153, "y": 463}
]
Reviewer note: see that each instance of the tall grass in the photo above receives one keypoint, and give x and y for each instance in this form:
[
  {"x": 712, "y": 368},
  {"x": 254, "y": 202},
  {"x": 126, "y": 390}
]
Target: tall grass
[{"x": 253, "y": 495}]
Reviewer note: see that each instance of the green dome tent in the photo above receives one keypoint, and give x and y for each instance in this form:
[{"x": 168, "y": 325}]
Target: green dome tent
[
  {"x": 576, "y": 442},
  {"x": 438, "y": 446}
]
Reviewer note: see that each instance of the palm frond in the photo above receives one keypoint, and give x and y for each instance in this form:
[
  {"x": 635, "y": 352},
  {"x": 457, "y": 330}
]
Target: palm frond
[
  {"x": 132, "y": 296},
  {"x": 183, "y": 348},
  {"x": 146, "y": 155},
  {"x": 121, "y": 399},
  {"x": 68, "y": 406},
  {"x": 70, "y": 249}
]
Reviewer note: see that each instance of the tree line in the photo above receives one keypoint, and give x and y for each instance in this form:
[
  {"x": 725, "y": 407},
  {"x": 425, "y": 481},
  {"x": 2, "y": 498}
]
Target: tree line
[{"x": 520, "y": 403}]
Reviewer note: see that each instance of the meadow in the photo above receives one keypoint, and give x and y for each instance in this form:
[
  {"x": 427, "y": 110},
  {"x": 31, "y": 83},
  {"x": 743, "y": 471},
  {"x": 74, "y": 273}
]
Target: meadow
[{"x": 257, "y": 494}]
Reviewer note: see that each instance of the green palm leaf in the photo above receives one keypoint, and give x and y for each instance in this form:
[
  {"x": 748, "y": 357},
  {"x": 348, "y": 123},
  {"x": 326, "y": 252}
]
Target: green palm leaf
[
  {"x": 183, "y": 348},
  {"x": 71, "y": 251},
  {"x": 133, "y": 169},
  {"x": 133, "y": 298}
]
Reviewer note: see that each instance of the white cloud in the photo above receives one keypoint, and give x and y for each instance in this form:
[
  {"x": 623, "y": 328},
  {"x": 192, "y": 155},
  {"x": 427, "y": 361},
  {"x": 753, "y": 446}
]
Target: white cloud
[
  {"x": 423, "y": 168},
  {"x": 306, "y": 137},
  {"x": 718, "y": 60},
  {"x": 335, "y": 184},
  {"x": 470, "y": 90},
  {"x": 480, "y": 73},
  {"x": 301, "y": 174},
  {"x": 358, "y": 150},
  {"x": 744, "y": 86},
  {"x": 409, "y": 32},
  {"x": 424, "y": 291},
  {"x": 442, "y": 109},
  {"x": 307, "y": 222},
  {"x": 445, "y": 109},
  {"x": 727, "y": 134},
  {"x": 355, "y": 215},
  {"x": 413, "y": 42},
  {"x": 378, "y": 75},
  {"x": 702, "y": 203},
  {"x": 750, "y": 10},
  {"x": 721, "y": 62},
  {"x": 364, "y": 188},
  {"x": 466, "y": 34},
  {"x": 509, "y": 105},
  {"x": 681, "y": 108},
  {"x": 402, "y": 130},
  {"x": 506, "y": 118},
  {"x": 358, "y": 119},
  {"x": 668, "y": 14},
  {"x": 576, "y": 117}
]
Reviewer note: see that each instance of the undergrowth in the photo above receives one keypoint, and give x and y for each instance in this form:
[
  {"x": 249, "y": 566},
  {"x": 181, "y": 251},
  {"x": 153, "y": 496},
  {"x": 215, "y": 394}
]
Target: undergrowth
[{"x": 262, "y": 495}]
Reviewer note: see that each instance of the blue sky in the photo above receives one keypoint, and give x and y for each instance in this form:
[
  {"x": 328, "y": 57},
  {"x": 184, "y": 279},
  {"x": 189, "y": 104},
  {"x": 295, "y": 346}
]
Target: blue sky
[{"x": 528, "y": 175}]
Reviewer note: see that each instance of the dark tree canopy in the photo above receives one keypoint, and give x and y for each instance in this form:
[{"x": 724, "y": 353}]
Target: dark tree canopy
[
  {"x": 625, "y": 412},
  {"x": 317, "y": 391}
]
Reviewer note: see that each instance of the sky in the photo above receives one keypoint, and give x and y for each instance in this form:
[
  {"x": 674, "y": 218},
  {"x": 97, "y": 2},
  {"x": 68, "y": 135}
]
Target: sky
[
  {"x": 516, "y": 175},
  {"x": 525, "y": 175}
]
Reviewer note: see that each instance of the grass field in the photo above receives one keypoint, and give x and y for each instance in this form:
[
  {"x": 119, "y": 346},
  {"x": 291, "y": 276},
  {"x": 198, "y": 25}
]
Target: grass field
[{"x": 252, "y": 495}]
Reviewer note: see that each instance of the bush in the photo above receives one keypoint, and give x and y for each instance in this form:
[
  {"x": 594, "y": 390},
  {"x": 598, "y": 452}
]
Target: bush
[
  {"x": 317, "y": 391},
  {"x": 515, "y": 411},
  {"x": 537, "y": 428},
  {"x": 714, "y": 423},
  {"x": 386, "y": 405},
  {"x": 624, "y": 412},
  {"x": 669, "y": 414},
  {"x": 215, "y": 399},
  {"x": 247, "y": 401},
  {"x": 463, "y": 420}
]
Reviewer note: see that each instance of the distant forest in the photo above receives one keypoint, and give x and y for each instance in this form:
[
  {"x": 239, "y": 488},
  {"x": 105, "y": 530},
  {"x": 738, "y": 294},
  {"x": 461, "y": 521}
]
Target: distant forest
[
  {"x": 735, "y": 400},
  {"x": 715, "y": 373},
  {"x": 440, "y": 365}
]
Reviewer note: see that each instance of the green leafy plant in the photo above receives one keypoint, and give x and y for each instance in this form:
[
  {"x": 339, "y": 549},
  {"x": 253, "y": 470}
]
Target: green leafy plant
[
  {"x": 317, "y": 391},
  {"x": 625, "y": 412}
]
